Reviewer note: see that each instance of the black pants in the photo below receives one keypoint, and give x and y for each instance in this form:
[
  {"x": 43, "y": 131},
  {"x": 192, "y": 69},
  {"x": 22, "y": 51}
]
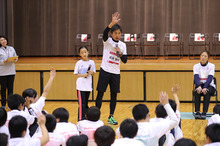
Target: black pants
[
  {"x": 206, "y": 99},
  {"x": 105, "y": 79},
  {"x": 83, "y": 97},
  {"x": 7, "y": 82}
]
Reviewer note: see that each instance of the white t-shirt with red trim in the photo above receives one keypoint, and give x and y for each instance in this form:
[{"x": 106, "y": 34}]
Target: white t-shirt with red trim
[
  {"x": 204, "y": 72},
  {"x": 110, "y": 60}
]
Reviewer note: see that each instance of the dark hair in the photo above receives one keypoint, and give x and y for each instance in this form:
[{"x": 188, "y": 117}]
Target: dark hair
[
  {"x": 128, "y": 128},
  {"x": 205, "y": 52},
  {"x": 104, "y": 136},
  {"x": 116, "y": 27},
  {"x": 30, "y": 93},
  {"x": 213, "y": 132},
  {"x": 3, "y": 116},
  {"x": 82, "y": 47},
  {"x": 3, "y": 139},
  {"x": 62, "y": 114},
  {"x": 4, "y": 38},
  {"x": 172, "y": 104},
  {"x": 17, "y": 125},
  {"x": 77, "y": 140},
  {"x": 14, "y": 101},
  {"x": 93, "y": 114},
  {"x": 216, "y": 109},
  {"x": 185, "y": 142},
  {"x": 140, "y": 112},
  {"x": 160, "y": 111},
  {"x": 50, "y": 122}
]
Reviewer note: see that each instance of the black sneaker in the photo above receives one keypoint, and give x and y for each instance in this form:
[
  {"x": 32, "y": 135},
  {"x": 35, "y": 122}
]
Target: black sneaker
[
  {"x": 203, "y": 116},
  {"x": 197, "y": 115}
]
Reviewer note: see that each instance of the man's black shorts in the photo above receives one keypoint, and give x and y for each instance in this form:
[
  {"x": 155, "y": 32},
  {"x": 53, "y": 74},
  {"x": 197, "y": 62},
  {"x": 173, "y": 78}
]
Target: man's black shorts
[{"x": 106, "y": 78}]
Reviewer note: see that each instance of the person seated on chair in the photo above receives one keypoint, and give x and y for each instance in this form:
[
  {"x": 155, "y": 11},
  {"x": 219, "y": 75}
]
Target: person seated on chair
[{"x": 203, "y": 79}]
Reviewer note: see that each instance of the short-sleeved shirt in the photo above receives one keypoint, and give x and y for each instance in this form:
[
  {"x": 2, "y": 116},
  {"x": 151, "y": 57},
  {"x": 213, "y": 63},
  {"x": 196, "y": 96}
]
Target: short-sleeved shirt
[
  {"x": 7, "y": 68},
  {"x": 127, "y": 142},
  {"x": 214, "y": 119},
  {"x": 81, "y": 67},
  {"x": 39, "y": 105},
  {"x": 110, "y": 60},
  {"x": 204, "y": 72},
  {"x": 66, "y": 129},
  {"x": 24, "y": 142},
  {"x": 88, "y": 127}
]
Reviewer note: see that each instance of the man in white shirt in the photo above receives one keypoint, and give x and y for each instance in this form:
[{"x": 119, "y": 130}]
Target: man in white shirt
[
  {"x": 212, "y": 135},
  {"x": 150, "y": 132},
  {"x": 128, "y": 130},
  {"x": 64, "y": 127},
  {"x": 17, "y": 129},
  {"x": 114, "y": 51},
  {"x": 89, "y": 126}
]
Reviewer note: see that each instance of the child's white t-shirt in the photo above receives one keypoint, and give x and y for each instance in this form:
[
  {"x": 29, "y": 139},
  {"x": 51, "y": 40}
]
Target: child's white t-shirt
[
  {"x": 88, "y": 128},
  {"x": 214, "y": 119},
  {"x": 81, "y": 67},
  {"x": 110, "y": 60},
  {"x": 127, "y": 142},
  {"x": 24, "y": 142},
  {"x": 4, "y": 129},
  {"x": 66, "y": 129},
  {"x": 39, "y": 105}
]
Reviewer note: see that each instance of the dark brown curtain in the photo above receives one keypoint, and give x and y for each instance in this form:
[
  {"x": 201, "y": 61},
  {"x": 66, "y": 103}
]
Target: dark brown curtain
[
  {"x": 49, "y": 27},
  {"x": 3, "y": 17}
]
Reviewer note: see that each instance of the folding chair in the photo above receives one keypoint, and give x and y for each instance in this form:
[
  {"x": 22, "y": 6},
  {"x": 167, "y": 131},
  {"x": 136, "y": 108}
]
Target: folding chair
[
  {"x": 199, "y": 41},
  {"x": 215, "y": 45},
  {"x": 150, "y": 41},
  {"x": 174, "y": 42},
  {"x": 131, "y": 43},
  {"x": 83, "y": 40}
]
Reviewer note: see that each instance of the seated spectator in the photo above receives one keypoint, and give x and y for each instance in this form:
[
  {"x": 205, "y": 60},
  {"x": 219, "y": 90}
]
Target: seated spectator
[
  {"x": 3, "y": 118},
  {"x": 216, "y": 117},
  {"x": 161, "y": 115},
  {"x": 3, "y": 138},
  {"x": 55, "y": 138},
  {"x": 89, "y": 126},
  {"x": 18, "y": 127},
  {"x": 128, "y": 130},
  {"x": 150, "y": 132},
  {"x": 104, "y": 136},
  {"x": 35, "y": 103},
  {"x": 212, "y": 135},
  {"x": 64, "y": 127},
  {"x": 81, "y": 140},
  {"x": 185, "y": 142},
  {"x": 16, "y": 104}
]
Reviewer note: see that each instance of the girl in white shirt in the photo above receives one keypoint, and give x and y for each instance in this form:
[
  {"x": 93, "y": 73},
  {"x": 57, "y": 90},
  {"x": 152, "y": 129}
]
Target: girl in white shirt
[{"x": 84, "y": 70}]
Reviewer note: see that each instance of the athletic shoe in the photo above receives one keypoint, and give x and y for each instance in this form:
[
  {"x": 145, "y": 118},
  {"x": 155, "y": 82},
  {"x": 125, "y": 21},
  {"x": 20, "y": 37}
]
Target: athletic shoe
[
  {"x": 3, "y": 107},
  {"x": 203, "y": 116},
  {"x": 112, "y": 121},
  {"x": 197, "y": 115}
]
